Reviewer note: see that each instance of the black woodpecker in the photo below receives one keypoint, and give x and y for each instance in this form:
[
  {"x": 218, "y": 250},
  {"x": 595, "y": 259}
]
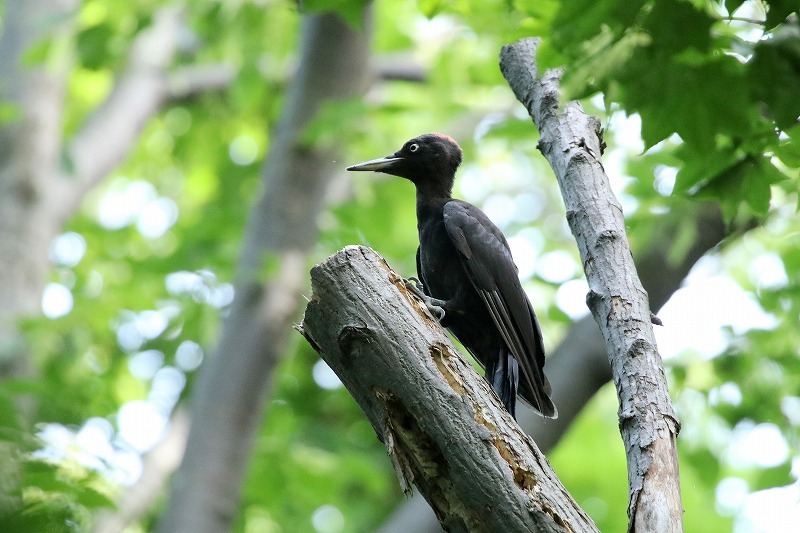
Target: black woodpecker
[{"x": 466, "y": 269}]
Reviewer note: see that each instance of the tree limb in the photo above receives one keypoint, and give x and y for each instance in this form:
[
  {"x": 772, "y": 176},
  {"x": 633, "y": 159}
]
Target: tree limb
[
  {"x": 445, "y": 430},
  {"x": 193, "y": 80},
  {"x": 147, "y": 84},
  {"x": 113, "y": 129},
  {"x": 37, "y": 193},
  {"x": 572, "y": 144}
]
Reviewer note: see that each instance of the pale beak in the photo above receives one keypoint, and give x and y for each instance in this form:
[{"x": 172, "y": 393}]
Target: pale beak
[{"x": 382, "y": 163}]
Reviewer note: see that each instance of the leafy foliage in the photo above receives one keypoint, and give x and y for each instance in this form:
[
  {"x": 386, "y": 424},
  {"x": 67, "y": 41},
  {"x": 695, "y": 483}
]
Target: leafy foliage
[
  {"x": 703, "y": 82},
  {"x": 717, "y": 106}
]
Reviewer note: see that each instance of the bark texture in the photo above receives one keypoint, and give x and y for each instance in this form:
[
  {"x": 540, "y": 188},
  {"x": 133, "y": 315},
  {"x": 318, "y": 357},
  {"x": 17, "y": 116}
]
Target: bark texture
[
  {"x": 572, "y": 143},
  {"x": 228, "y": 400},
  {"x": 445, "y": 430}
]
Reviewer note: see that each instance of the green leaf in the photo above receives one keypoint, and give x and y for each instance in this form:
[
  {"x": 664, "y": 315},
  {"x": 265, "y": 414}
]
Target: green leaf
[
  {"x": 778, "y": 11},
  {"x": 38, "y": 53},
  {"x": 773, "y": 477},
  {"x": 788, "y": 149},
  {"x": 667, "y": 15},
  {"x": 49, "y": 478},
  {"x": 756, "y": 183},
  {"x": 431, "y": 8},
  {"x": 93, "y": 46},
  {"x": 698, "y": 168},
  {"x": 351, "y": 11},
  {"x": 774, "y": 76},
  {"x": 747, "y": 181},
  {"x": 9, "y": 112},
  {"x": 696, "y": 100},
  {"x": 9, "y": 416},
  {"x": 733, "y": 5},
  {"x": 584, "y": 19},
  {"x": 604, "y": 58}
]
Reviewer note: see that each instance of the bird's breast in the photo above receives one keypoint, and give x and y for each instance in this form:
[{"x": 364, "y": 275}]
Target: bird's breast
[{"x": 440, "y": 264}]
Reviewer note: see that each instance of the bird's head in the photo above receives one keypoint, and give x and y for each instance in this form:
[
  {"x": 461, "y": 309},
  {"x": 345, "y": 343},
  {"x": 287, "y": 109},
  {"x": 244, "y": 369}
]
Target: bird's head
[{"x": 427, "y": 160}]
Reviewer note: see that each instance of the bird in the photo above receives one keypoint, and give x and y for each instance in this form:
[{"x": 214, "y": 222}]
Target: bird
[{"x": 468, "y": 276}]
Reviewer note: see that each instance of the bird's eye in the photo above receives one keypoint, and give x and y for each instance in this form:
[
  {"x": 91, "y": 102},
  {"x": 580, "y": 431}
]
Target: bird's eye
[{"x": 413, "y": 148}]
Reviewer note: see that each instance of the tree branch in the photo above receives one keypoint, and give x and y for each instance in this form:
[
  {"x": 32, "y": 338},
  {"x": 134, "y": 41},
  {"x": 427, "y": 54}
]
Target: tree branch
[
  {"x": 400, "y": 66},
  {"x": 571, "y": 142},
  {"x": 445, "y": 430},
  {"x": 140, "y": 92},
  {"x": 110, "y": 133},
  {"x": 193, "y": 80}
]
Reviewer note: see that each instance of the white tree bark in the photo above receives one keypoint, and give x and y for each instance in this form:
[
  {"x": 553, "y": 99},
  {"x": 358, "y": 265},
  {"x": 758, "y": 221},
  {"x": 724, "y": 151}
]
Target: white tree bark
[
  {"x": 445, "y": 430},
  {"x": 571, "y": 141},
  {"x": 30, "y": 144}
]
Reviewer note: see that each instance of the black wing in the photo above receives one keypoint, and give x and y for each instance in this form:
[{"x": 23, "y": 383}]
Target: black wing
[{"x": 487, "y": 259}]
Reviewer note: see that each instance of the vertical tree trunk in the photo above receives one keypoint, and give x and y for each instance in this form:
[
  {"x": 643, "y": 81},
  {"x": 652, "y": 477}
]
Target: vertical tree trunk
[
  {"x": 571, "y": 142},
  {"x": 30, "y": 147},
  {"x": 228, "y": 400},
  {"x": 38, "y": 193}
]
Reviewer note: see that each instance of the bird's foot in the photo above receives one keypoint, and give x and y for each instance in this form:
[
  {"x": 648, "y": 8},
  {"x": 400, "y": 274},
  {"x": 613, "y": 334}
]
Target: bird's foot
[
  {"x": 434, "y": 305},
  {"x": 414, "y": 284}
]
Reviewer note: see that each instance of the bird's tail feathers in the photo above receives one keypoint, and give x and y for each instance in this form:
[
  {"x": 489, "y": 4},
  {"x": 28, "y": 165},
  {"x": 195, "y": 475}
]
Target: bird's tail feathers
[
  {"x": 539, "y": 397},
  {"x": 504, "y": 376}
]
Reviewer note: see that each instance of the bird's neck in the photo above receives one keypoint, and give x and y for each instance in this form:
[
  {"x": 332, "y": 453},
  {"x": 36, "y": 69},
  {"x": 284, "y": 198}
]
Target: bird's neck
[
  {"x": 430, "y": 206},
  {"x": 432, "y": 194},
  {"x": 434, "y": 190}
]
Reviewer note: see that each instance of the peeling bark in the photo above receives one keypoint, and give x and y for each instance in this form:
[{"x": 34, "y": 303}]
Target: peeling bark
[
  {"x": 445, "y": 430},
  {"x": 572, "y": 143}
]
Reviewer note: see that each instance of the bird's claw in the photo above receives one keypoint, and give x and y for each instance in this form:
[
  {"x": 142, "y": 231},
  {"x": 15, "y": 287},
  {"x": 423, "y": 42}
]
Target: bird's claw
[
  {"x": 436, "y": 310},
  {"x": 434, "y": 306},
  {"x": 414, "y": 284}
]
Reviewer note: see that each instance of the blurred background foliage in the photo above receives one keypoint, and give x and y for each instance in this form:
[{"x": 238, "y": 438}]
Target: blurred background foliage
[{"x": 700, "y": 101}]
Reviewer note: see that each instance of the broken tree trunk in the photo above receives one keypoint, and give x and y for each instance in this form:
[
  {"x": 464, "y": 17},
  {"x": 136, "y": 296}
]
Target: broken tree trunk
[{"x": 445, "y": 430}]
